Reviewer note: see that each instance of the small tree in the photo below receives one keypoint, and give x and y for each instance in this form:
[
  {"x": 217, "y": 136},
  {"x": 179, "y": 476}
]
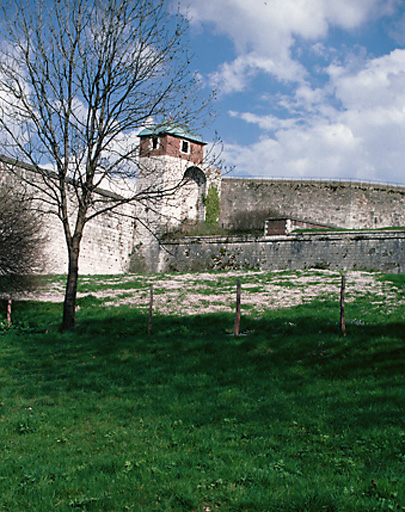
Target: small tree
[
  {"x": 21, "y": 243},
  {"x": 78, "y": 79}
]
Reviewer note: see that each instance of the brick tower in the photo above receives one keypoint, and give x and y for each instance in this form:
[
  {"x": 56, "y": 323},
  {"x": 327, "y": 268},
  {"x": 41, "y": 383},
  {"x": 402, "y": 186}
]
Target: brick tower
[{"x": 171, "y": 184}]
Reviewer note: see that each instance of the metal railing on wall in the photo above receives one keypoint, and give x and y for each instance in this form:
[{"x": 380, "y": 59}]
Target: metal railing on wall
[{"x": 309, "y": 178}]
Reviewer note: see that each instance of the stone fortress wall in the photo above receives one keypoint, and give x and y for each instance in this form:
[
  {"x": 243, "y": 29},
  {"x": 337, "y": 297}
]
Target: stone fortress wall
[
  {"x": 110, "y": 241},
  {"x": 340, "y": 204},
  {"x": 106, "y": 246},
  {"x": 362, "y": 250},
  {"x": 337, "y": 204},
  {"x": 107, "y": 242},
  {"x": 125, "y": 240}
]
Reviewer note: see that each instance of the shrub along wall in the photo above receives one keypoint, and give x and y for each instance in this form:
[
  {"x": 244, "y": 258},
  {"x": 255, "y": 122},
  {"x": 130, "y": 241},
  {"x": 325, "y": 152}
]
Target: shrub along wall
[{"x": 378, "y": 251}]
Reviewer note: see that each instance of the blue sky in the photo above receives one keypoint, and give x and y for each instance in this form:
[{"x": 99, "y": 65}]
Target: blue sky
[{"x": 305, "y": 88}]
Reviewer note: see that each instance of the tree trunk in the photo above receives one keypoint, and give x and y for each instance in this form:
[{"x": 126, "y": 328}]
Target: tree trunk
[{"x": 69, "y": 305}]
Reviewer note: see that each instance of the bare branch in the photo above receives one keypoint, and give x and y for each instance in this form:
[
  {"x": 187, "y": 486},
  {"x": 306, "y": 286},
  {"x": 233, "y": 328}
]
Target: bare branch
[
  {"x": 78, "y": 80},
  {"x": 21, "y": 240}
]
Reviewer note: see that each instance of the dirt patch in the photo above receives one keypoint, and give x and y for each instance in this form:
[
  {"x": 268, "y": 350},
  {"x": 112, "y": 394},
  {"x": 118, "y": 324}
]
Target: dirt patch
[{"x": 209, "y": 292}]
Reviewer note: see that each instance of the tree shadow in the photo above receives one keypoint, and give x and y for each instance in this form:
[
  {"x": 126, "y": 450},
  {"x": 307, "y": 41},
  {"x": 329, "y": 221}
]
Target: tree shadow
[{"x": 288, "y": 349}]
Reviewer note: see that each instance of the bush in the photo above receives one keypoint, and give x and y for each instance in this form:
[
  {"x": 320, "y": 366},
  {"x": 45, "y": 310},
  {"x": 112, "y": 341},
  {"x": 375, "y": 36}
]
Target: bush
[{"x": 250, "y": 221}]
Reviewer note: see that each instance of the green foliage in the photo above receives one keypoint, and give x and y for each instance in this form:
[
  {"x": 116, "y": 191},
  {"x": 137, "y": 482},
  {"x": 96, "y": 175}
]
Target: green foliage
[
  {"x": 212, "y": 210},
  {"x": 397, "y": 279},
  {"x": 290, "y": 416}
]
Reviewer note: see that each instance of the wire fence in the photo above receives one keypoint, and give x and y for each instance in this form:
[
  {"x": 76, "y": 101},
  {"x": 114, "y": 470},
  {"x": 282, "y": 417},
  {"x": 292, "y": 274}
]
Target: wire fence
[
  {"x": 314, "y": 178},
  {"x": 238, "y": 307}
]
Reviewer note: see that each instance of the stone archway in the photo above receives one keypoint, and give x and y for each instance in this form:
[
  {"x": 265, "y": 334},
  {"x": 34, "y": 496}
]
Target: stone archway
[{"x": 193, "y": 191}]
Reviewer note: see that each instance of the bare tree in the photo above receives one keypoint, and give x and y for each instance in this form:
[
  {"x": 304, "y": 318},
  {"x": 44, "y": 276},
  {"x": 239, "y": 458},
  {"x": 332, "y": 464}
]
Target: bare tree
[
  {"x": 21, "y": 243},
  {"x": 78, "y": 79}
]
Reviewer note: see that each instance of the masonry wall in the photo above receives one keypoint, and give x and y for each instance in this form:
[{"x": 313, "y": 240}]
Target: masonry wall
[
  {"x": 111, "y": 243},
  {"x": 108, "y": 239},
  {"x": 339, "y": 204},
  {"x": 378, "y": 251},
  {"x": 105, "y": 249},
  {"x": 160, "y": 213}
]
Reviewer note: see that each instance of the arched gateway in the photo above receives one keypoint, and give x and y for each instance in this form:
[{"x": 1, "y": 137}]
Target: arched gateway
[{"x": 193, "y": 191}]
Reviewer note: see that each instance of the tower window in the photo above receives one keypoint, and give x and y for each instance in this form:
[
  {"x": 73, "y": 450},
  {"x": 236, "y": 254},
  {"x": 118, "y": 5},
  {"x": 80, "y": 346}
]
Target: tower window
[
  {"x": 185, "y": 146},
  {"x": 155, "y": 142}
]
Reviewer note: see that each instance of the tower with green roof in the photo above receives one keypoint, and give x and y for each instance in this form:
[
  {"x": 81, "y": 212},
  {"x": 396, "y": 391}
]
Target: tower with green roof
[
  {"x": 173, "y": 140},
  {"x": 172, "y": 183}
]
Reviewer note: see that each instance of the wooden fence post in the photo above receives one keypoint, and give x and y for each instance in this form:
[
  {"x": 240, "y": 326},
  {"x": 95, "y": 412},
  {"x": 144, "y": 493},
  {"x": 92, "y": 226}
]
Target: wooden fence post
[
  {"x": 342, "y": 305},
  {"x": 150, "y": 309},
  {"x": 9, "y": 302},
  {"x": 237, "y": 314}
]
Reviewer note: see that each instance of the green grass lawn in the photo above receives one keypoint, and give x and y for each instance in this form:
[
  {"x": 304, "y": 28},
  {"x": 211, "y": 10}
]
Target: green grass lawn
[{"x": 290, "y": 416}]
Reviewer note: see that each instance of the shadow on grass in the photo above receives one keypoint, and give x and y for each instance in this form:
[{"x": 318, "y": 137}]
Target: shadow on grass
[
  {"x": 289, "y": 405},
  {"x": 293, "y": 348},
  {"x": 308, "y": 334}
]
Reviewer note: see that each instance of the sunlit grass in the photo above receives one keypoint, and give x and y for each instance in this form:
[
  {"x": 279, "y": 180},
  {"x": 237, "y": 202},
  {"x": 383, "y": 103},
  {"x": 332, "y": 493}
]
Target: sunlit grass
[{"x": 290, "y": 416}]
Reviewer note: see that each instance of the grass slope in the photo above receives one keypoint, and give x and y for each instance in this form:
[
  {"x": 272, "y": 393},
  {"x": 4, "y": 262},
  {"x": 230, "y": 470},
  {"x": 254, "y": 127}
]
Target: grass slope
[{"x": 289, "y": 417}]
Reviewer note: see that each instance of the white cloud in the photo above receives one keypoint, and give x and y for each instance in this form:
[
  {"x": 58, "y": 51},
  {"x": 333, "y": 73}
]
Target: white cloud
[
  {"x": 235, "y": 76},
  {"x": 345, "y": 120},
  {"x": 363, "y": 139},
  {"x": 263, "y": 32},
  {"x": 380, "y": 83},
  {"x": 267, "y": 122},
  {"x": 260, "y": 23},
  {"x": 298, "y": 152}
]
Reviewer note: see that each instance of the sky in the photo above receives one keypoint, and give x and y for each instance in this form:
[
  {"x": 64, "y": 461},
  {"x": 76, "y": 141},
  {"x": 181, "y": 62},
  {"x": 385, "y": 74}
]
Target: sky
[{"x": 305, "y": 88}]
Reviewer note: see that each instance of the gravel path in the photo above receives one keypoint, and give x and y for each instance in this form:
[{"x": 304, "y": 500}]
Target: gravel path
[{"x": 207, "y": 292}]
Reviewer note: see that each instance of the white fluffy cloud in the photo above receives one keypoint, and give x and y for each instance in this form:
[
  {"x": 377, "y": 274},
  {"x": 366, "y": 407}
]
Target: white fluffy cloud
[
  {"x": 235, "y": 76},
  {"x": 331, "y": 108},
  {"x": 305, "y": 153},
  {"x": 268, "y": 25},
  {"x": 264, "y": 31},
  {"x": 379, "y": 84},
  {"x": 362, "y": 139}
]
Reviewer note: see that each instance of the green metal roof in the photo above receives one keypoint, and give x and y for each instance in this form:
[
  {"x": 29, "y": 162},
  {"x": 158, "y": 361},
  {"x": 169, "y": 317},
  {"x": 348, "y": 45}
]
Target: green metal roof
[{"x": 172, "y": 128}]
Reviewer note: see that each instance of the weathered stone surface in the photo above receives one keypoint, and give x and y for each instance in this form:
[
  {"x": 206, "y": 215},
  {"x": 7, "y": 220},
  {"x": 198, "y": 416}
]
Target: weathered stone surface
[
  {"x": 107, "y": 239},
  {"x": 113, "y": 244},
  {"x": 340, "y": 204},
  {"x": 379, "y": 251}
]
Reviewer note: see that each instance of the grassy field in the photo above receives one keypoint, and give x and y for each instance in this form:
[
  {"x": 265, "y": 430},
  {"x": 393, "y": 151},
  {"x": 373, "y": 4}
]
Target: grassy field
[{"x": 289, "y": 416}]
